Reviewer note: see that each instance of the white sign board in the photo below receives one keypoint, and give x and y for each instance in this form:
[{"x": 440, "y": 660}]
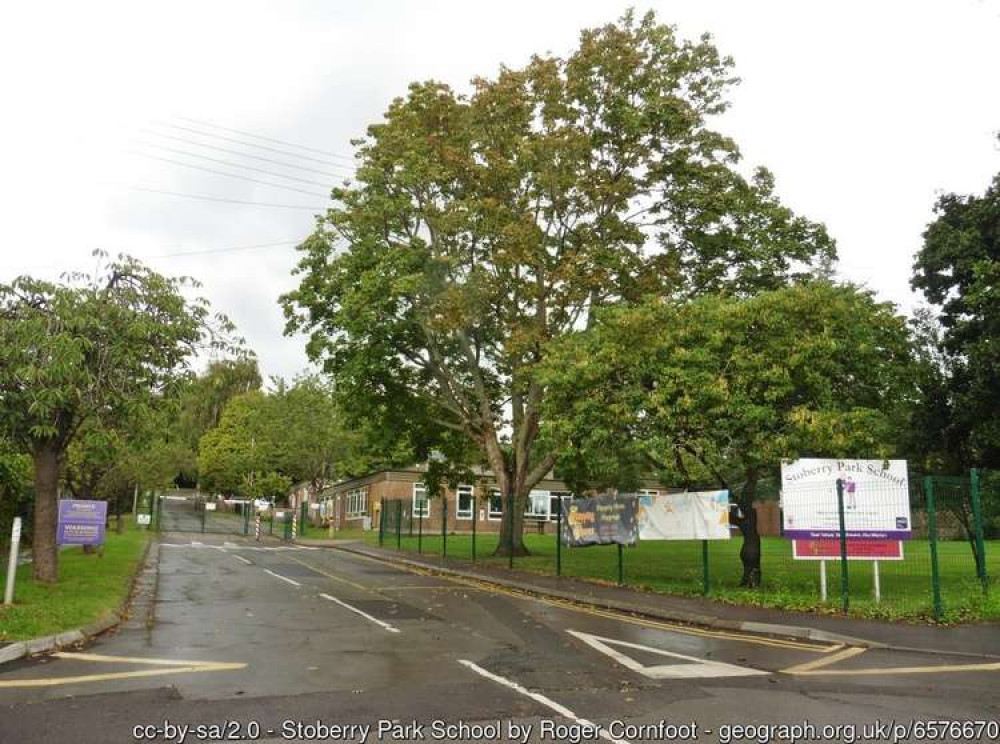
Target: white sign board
[
  {"x": 876, "y": 499},
  {"x": 699, "y": 515},
  {"x": 142, "y": 519},
  {"x": 209, "y": 506}
]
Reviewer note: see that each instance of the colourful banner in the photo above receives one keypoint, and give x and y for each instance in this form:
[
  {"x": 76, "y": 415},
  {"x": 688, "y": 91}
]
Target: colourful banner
[
  {"x": 695, "y": 515},
  {"x": 601, "y": 520}
]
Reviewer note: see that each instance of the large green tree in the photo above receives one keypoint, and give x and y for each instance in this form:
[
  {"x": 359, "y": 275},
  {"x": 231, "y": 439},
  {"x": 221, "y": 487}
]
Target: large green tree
[
  {"x": 958, "y": 271},
  {"x": 91, "y": 346},
  {"x": 293, "y": 432},
  {"x": 717, "y": 391},
  {"x": 482, "y": 226}
]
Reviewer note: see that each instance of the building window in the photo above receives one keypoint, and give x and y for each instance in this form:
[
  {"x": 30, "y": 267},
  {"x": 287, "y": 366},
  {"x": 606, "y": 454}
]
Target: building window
[
  {"x": 357, "y": 503},
  {"x": 496, "y": 504},
  {"x": 649, "y": 493},
  {"x": 536, "y": 506},
  {"x": 554, "y": 498},
  {"x": 464, "y": 503},
  {"x": 421, "y": 507}
]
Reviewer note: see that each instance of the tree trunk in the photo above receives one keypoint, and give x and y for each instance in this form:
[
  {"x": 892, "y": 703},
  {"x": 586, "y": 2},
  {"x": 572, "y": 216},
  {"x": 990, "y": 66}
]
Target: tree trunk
[
  {"x": 747, "y": 522},
  {"x": 44, "y": 550},
  {"x": 507, "y": 524}
]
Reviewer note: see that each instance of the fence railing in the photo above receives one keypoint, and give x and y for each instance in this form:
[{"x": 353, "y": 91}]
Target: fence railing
[{"x": 944, "y": 569}]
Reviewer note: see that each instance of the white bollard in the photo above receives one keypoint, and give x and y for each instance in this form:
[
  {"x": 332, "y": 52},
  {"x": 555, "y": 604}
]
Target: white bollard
[
  {"x": 256, "y": 527},
  {"x": 15, "y": 542},
  {"x": 878, "y": 584},
  {"x": 822, "y": 581},
  {"x": 295, "y": 525}
]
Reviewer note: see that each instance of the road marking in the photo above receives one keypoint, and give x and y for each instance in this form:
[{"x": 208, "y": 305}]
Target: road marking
[
  {"x": 293, "y": 582},
  {"x": 539, "y": 698},
  {"x": 169, "y": 666},
  {"x": 700, "y": 669},
  {"x": 621, "y": 617},
  {"x": 841, "y": 655},
  {"x": 329, "y": 575},
  {"x": 241, "y": 558},
  {"x": 363, "y": 614},
  {"x": 876, "y": 671}
]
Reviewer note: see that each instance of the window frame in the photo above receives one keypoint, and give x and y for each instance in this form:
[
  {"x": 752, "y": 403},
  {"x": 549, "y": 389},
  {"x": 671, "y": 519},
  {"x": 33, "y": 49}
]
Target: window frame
[
  {"x": 470, "y": 514},
  {"x": 418, "y": 511},
  {"x": 494, "y": 516}
]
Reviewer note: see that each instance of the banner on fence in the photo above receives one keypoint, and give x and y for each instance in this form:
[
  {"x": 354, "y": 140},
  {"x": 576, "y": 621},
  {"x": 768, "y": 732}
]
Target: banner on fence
[
  {"x": 81, "y": 522},
  {"x": 601, "y": 520},
  {"x": 857, "y": 550},
  {"x": 876, "y": 499},
  {"x": 695, "y": 515}
]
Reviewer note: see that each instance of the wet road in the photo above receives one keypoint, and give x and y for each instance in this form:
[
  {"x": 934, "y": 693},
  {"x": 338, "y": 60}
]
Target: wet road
[{"x": 273, "y": 636}]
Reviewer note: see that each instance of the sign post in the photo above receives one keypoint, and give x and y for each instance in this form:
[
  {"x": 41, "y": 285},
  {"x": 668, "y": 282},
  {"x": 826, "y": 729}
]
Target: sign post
[{"x": 15, "y": 542}]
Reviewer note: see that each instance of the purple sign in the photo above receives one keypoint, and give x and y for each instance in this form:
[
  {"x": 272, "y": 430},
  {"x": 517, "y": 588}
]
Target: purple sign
[{"x": 81, "y": 522}]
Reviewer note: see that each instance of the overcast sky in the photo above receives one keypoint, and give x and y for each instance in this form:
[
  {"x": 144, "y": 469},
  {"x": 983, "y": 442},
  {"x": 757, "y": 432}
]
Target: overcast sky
[{"x": 865, "y": 111}]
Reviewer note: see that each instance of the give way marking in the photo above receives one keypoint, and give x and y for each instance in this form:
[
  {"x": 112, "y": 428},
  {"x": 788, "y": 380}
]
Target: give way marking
[
  {"x": 166, "y": 666},
  {"x": 695, "y": 668}
]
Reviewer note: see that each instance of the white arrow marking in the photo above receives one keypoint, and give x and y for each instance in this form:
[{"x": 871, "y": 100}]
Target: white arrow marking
[{"x": 700, "y": 668}]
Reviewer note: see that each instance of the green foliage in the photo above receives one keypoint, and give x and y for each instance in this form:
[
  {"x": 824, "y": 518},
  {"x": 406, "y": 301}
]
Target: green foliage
[
  {"x": 266, "y": 442},
  {"x": 958, "y": 270},
  {"x": 719, "y": 386},
  {"x": 92, "y": 346},
  {"x": 100, "y": 347},
  {"x": 483, "y": 226}
]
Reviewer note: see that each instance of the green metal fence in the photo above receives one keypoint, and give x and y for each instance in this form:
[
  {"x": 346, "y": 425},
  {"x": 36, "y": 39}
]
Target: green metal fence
[{"x": 946, "y": 571}]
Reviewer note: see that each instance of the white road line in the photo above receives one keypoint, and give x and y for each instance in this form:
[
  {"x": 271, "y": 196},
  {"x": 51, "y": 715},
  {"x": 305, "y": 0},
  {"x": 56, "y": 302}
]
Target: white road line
[
  {"x": 283, "y": 578},
  {"x": 362, "y": 613},
  {"x": 540, "y": 698},
  {"x": 241, "y": 558}
]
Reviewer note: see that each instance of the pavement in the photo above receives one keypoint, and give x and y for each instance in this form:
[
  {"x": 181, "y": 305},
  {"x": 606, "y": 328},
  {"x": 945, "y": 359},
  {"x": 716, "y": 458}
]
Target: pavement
[
  {"x": 240, "y": 640},
  {"x": 974, "y": 639}
]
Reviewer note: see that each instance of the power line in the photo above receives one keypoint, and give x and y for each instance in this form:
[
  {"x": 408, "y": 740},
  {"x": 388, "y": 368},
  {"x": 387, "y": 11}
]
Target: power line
[
  {"x": 221, "y": 199},
  {"x": 229, "y": 163},
  {"x": 204, "y": 123},
  {"x": 229, "y": 175},
  {"x": 246, "y": 154},
  {"x": 247, "y": 144},
  {"x": 228, "y": 250}
]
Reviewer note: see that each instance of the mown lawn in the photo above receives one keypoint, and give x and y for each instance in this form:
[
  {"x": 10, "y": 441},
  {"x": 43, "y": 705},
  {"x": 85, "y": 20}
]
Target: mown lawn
[
  {"x": 675, "y": 567},
  {"x": 89, "y": 587}
]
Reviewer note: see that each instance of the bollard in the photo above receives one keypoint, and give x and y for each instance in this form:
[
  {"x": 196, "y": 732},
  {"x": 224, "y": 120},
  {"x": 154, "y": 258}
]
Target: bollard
[
  {"x": 256, "y": 528},
  {"x": 15, "y": 541},
  {"x": 295, "y": 525}
]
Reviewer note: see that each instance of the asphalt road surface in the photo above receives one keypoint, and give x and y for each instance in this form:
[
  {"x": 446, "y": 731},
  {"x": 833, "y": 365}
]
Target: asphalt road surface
[{"x": 271, "y": 642}]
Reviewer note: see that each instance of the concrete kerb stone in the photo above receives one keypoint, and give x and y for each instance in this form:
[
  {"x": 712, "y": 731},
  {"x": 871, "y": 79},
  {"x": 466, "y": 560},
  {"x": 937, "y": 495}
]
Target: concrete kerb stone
[
  {"x": 50, "y": 643},
  {"x": 656, "y": 613}
]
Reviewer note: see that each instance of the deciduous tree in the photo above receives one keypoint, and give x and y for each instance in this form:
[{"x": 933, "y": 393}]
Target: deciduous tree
[{"x": 482, "y": 226}]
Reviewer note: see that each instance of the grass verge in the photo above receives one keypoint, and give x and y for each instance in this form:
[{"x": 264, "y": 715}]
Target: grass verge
[{"x": 89, "y": 587}]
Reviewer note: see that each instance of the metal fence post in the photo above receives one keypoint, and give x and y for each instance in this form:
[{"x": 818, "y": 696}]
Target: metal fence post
[
  {"x": 271, "y": 530},
  {"x": 475, "y": 518},
  {"x": 977, "y": 516},
  {"x": 420, "y": 526},
  {"x": 204, "y": 516},
  {"x": 399, "y": 524},
  {"x": 381, "y": 525},
  {"x": 304, "y": 519},
  {"x": 559, "y": 537},
  {"x": 932, "y": 540},
  {"x": 704, "y": 567},
  {"x": 157, "y": 506},
  {"x": 444, "y": 525},
  {"x": 621, "y": 565},
  {"x": 845, "y": 588}
]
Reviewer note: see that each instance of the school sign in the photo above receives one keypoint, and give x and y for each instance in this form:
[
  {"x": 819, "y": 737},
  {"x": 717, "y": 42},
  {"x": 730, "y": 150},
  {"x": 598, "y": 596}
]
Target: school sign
[
  {"x": 81, "y": 522},
  {"x": 876, "y": 499}
]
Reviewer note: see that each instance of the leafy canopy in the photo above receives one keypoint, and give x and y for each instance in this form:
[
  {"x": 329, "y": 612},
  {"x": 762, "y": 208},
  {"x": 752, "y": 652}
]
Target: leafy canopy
[{"x": 484, "y": 225}]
